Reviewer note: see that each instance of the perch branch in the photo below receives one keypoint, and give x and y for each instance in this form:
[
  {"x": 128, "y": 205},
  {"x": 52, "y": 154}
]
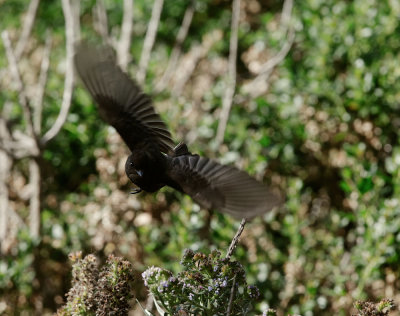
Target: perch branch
[
  {"x": 27, "y": 28},
  {"x": 235, "y": 239},
  {"x": 231, "y": 82},
  {"x": 176, "y": 50},
  {"x": 149, "y": 40},
  {"x": 126, "y": 32},
  {"x": 69, "y": 72}
]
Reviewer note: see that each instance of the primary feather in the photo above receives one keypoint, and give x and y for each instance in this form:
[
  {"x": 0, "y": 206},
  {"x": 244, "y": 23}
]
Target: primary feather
[{"x": 121, "y": 102}]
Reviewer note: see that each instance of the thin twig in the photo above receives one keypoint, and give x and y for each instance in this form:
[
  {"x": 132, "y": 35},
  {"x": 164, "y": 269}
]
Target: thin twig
[
  {"x": 228, "y": 312},
  {"x": 20, "y": 86},
  {"x": 285, "y": 21},
  {"x": 231, "y": 82},
  {"x": 176, "y": 50},
  {"x": 68, "y": 11},
  {"x": 235, "y": 239},
  {"x": 277, "y": 59},
  {"x": 149, "y": 40},
  {"x": 44, "y": 68},
  {"x": 27, "y": 28},
  {"x": 124, "y": 43}
]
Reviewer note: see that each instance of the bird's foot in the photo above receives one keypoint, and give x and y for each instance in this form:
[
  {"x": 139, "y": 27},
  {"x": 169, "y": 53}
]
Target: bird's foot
[{"x": 136, "y": 191}]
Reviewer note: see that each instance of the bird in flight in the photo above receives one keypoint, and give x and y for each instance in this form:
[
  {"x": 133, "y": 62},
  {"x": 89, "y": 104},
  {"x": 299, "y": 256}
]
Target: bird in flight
[{"x": 154, "y": 161}]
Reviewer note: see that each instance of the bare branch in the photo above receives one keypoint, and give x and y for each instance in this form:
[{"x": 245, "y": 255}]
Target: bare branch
[
  {"x": 76, "y": 9},
  {"x": 231, "y": 82},
  {"x": 69, "y": 16},
  {"x": 235, "y": 239},
  {"x": 101, "y": 21},
  {"x": 5, "y": 136},
  {"x": 34, "y": 201},
  {"x": 5, "y": 165},
  {"x": 286, "y": 13},
  {"x": 149, "y": 40},
  {"x": 176, "y": 51},
  {"x": 20, "y": 86},
  {"x": 124, "y": 43},
  {"x": 44, "y": 68},
  {"x": 228, "y": 312},
  {"x": 27, "y": 28}
]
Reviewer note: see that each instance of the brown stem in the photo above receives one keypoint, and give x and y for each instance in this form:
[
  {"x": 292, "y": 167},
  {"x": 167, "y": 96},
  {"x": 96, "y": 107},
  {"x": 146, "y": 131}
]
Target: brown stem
[{"x": 235, "y": 239}]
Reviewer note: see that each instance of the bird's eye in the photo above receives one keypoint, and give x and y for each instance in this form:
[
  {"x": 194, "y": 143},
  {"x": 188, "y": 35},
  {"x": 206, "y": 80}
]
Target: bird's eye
[{"x": 131, "y": 164}]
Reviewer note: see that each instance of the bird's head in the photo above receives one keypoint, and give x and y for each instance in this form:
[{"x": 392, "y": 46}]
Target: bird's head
[{"x": 133, "y": 169}]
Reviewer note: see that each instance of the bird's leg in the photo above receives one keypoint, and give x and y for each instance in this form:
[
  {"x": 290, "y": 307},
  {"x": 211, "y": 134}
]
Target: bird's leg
[{"x": 136, "y": 191}]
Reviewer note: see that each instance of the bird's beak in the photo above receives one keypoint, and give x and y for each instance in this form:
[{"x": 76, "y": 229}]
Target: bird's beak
[{"x": 140, "y": 173}]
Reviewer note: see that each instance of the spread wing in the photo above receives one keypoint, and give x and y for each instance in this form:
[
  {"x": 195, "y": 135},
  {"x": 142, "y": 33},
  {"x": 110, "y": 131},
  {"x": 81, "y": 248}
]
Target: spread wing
[
  {"x": 121, "y": 102},
  {"x": 224, "y": 188}
]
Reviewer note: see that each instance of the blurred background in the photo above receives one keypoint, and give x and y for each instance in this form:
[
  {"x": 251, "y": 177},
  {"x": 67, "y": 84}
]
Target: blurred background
[{"x": 304, "y": 96}]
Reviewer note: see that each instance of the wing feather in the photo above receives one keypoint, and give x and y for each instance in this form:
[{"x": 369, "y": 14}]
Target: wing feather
[
  {"x": 224, "y": 188},
  {"x": 121, "y": 102}
]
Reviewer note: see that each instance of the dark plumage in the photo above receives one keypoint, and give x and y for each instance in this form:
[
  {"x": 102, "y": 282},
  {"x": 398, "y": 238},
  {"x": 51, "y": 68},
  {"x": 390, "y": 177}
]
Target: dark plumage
[{"x": 154, "y": 161}]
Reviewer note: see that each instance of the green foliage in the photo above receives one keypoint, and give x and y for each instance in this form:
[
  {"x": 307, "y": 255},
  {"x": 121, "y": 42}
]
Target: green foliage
[
  {"x": 208, "y": 285},
  {"x": 16, "y": 272}
]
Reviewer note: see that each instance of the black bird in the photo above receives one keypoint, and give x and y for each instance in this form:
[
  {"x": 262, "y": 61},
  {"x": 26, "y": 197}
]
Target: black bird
[{"x": 154, "y": 161}]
